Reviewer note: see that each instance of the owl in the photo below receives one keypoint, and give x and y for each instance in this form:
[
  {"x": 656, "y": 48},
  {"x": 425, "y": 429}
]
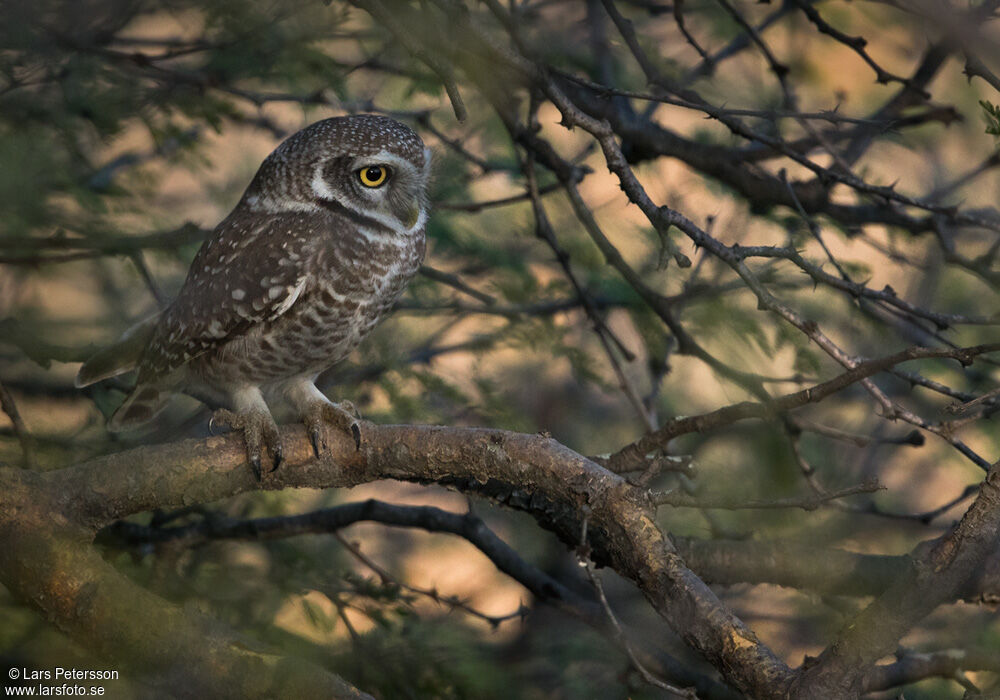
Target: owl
[{"x": 320, "y": 246}]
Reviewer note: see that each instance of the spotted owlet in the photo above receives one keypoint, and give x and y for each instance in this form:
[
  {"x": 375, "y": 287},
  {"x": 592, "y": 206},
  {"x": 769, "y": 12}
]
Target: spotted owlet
[{"x": 320, "y": 246}]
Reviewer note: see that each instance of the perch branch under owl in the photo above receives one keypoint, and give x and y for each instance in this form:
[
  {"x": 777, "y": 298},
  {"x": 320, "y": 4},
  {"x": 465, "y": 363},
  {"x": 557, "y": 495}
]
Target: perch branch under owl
[{"x": 528, "y": 472}]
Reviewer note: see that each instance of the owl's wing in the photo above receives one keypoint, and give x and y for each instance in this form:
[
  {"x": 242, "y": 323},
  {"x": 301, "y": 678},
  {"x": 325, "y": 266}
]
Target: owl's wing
[{"x": 250, "y": 271}]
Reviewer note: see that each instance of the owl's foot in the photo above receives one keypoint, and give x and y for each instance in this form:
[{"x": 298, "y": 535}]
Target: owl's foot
[
  {"x": 259, "y": 430},
  {"x": 341, "y": 415}
]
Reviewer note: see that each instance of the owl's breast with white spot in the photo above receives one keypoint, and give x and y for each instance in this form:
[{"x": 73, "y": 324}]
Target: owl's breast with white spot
[{"x": 350, "y": 289}]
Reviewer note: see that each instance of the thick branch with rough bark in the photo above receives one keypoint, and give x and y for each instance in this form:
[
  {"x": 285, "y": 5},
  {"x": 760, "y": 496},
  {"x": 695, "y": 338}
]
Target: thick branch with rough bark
[
  {"x": 531, "y": 473},
  {"x": 49, "y": 560}
]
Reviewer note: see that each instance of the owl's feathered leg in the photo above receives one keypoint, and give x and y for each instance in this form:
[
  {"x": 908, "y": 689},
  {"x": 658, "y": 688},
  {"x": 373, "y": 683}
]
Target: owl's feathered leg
[
  {"x": 317, "y": 411},
  {"x": 254, "y": 420}
]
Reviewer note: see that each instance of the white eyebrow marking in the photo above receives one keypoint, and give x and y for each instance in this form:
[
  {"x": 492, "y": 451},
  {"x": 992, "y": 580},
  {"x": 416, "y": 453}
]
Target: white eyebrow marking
[
  {"x": 382, "y": 157},
  {"x": 320, "y": 187}
]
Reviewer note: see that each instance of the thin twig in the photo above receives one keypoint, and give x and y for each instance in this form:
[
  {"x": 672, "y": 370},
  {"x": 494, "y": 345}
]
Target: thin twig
[
  {"x": 9, "y": 407},
  {"x": 619, "y": 634}
]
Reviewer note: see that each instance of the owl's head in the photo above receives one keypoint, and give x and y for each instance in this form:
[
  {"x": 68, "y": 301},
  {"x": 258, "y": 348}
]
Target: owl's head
[{"x": 366, "y": 165}]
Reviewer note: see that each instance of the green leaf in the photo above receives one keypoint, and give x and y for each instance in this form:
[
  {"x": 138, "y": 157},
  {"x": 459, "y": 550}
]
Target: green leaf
[{"x": 991, "y": 113}]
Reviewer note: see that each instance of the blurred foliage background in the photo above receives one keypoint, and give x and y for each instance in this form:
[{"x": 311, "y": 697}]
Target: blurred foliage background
[{"x": 128, "y": 128}]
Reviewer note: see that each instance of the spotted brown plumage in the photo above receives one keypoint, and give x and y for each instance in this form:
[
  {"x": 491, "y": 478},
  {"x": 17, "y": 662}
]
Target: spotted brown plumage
[{"x": 320, "y": 246}]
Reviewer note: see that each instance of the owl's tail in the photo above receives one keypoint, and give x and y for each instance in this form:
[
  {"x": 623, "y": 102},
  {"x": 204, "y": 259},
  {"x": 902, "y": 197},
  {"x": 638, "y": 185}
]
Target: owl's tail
[
  {"x": 121, "y": 357},
  {"x": 140, "y": 406}
]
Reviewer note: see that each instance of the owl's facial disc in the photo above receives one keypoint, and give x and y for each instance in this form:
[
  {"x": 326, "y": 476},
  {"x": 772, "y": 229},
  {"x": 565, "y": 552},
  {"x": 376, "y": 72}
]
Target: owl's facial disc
[{"x": 389, "y": 185}]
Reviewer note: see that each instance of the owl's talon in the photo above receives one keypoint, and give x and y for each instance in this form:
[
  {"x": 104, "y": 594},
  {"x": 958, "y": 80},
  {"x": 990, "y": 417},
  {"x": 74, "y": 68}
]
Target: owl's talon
[
  {"x": 314, "y": 438},
  {"x": 341, "y": 415},
  {"x": 259, "y": 430},
  {"x": 255, "y": 466},
  {"x": 278, "y": 453}
]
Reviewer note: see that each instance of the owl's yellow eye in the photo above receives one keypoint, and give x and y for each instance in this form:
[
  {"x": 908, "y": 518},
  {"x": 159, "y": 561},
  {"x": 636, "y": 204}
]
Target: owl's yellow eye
[{"x": 373, "y": 175}]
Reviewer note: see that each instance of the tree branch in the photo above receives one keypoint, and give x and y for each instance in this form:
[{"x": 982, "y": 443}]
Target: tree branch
[
  {"x": 931, "y": 580},
  {"x": 822, "y": 570},
  {"x": 527, "y": 472}
]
